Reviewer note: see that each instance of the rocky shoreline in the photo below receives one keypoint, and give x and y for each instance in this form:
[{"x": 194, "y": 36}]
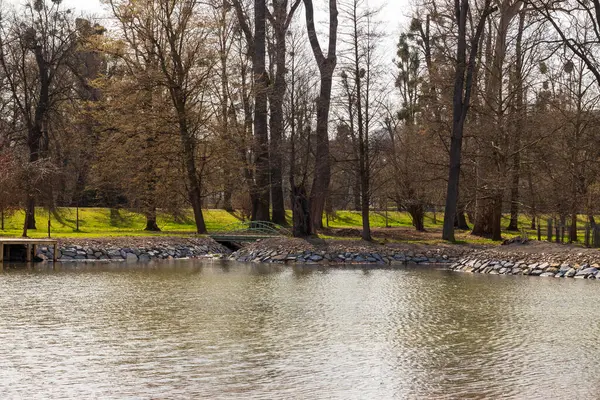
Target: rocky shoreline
[
  {"x": 133, "y": 249},
  {"x": 349, "y": 252},
  {"x": 534, "y": 259},
  {"x": 531, "y": 259}
]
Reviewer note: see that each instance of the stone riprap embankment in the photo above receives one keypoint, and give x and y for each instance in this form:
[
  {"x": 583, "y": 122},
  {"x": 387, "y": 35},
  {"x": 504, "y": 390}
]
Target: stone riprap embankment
[
  {"x": 534, "y": 259},
  {"x": 134, "y": 249},
  {"x": 347, "y": 252}
]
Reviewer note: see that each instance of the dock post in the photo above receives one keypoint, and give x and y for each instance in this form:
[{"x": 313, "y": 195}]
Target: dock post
[
  {"x": 28, "y": 253},
  {"x": 54, "y": 255},
  {"x": 1, "y": 252}
]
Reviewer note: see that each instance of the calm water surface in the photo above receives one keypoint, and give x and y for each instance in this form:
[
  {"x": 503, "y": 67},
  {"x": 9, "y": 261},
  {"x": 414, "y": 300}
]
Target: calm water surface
[{"x": 193, "y": 329}]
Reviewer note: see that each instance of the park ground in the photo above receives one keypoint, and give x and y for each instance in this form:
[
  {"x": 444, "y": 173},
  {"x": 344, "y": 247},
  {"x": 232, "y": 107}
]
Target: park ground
[{"x": 389, "y": 227}]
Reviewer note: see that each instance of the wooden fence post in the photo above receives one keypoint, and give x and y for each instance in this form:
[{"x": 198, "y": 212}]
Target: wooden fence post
[{"x": 549, "y": 234}]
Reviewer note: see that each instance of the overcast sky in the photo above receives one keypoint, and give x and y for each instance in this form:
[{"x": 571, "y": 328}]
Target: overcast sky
[{"x": 393, "y": 14}]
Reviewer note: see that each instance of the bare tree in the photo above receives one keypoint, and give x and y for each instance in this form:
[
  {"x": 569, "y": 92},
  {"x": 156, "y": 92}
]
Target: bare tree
[
  {"x": 46, "y": 32},
  {"x": 463, "y": 84},
  {"x": 173, "y": 33},
  {"x": 326, "y": 65}
]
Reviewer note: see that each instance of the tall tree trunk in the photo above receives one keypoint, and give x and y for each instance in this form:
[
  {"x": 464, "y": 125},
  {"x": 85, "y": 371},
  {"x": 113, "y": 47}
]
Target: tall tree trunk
[
  {"x": 363, "y": 142},
  {"x": 151, "y": 224},
  {"x": 228, "y": 194},
  {"x": 194, "y": 183},
  {"x": 37, "y": 149},
  {"x": 519, "y": 111},
  {"x": 489, "y": 217},
  {"x": 497, "y": 218},
  {"x": 460, "y": 221},
  {"x": 573, "y": 228},
  {"x": 301, "y": 219},
  {"x": 463, "y": 83},
  {"x": 300, "y": 212},
  {"x": 532, "y": 196},
  {"x": 417, "y": 213},
  {"x": 356, "y": 191},
  {"x": 261, "y": 205},
  {"x": 322, "y": 172},
  {"x": 276, "y": 97},
  {"x": 228, "y": 170},
  {"x": 31, "y": 224},
  {"x": 514, "y": 194}
]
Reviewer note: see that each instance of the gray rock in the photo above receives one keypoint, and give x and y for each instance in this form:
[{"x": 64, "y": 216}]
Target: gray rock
[
  {"x": 585, "y": 272},
  {"x": 536, "y": 272},
  {"x": 564, "y": 267},
  {"x": 131, "y": 258},
  {"x": 144, "y": 258},
  {"x": 571, "y": 273},
  {"x": 315, "y": 257},
  {"x": 552, "y": 270},
  {"x": 280, "y": 257}
]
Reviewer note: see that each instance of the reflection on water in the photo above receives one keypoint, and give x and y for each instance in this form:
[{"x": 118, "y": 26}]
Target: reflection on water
[{"x": 193, "y": 329}]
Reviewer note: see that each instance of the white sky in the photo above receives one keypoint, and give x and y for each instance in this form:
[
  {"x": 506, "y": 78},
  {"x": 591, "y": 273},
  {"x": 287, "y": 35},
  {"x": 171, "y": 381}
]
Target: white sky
[{"x": 393, "y": 14}]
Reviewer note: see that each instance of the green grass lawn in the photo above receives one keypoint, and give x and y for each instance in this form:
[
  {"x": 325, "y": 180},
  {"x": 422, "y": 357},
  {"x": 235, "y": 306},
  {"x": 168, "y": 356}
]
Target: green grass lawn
[{"x": 100, "y": 222}]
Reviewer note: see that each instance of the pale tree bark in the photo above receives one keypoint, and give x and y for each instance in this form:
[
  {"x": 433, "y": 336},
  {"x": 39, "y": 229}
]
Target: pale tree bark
[{"x": 326, "y": 64}]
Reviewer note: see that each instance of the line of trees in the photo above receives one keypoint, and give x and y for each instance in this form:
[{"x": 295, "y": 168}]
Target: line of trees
[{"x": 489, "y": 107}]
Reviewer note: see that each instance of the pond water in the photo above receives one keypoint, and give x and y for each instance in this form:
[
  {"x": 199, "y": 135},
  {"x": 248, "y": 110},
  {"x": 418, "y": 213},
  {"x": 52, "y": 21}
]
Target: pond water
[{"x": 194, "y": 329}]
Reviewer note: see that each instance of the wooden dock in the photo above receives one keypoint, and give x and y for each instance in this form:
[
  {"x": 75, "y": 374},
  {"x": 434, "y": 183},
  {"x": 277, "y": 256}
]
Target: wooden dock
[{"x": 30, "y": 244}]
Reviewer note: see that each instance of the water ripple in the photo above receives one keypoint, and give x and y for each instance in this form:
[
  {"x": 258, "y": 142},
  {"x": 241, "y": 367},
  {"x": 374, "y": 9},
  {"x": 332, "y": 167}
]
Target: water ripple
[{"x": 202, "y": 330}]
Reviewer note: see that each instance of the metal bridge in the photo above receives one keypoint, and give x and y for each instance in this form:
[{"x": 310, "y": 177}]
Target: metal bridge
[{"x": 250, "y": 231}]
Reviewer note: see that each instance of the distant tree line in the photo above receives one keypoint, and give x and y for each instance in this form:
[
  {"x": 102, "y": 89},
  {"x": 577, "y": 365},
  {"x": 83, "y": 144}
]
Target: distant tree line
[{"x": 489, "y": 107}]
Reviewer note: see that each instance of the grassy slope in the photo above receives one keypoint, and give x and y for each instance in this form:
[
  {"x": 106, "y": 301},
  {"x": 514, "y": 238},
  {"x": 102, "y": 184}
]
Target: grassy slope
[{"x": 98, "y": 222}]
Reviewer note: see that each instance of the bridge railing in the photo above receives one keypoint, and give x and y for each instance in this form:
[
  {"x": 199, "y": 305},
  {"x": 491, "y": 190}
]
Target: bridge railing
[{"x": 265, "y": 228}]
